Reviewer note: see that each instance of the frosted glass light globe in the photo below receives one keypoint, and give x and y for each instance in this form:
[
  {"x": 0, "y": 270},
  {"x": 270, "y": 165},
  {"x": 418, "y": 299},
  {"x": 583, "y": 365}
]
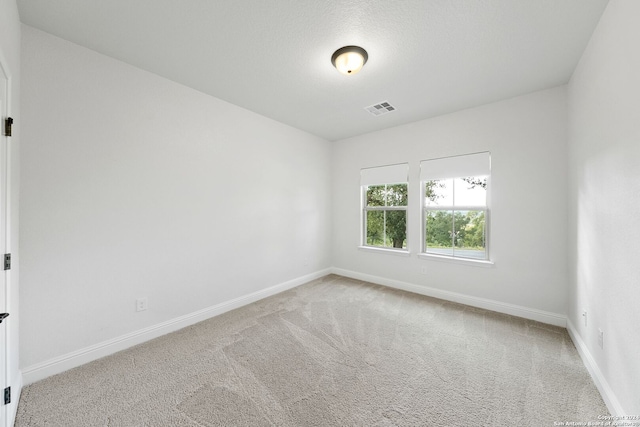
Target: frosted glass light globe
[{"x": 349, "y": 59}]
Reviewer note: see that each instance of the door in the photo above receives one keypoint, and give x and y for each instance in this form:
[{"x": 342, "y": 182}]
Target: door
[{"x": 4, "y": 291}]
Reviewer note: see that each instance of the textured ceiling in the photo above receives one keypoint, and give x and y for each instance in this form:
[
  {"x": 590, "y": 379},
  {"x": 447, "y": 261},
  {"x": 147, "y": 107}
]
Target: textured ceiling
[{"x": 426, "y": 57}]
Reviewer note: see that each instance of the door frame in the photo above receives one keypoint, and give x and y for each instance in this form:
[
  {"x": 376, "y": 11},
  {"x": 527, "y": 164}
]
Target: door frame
[{"x": 8, "y": 411}]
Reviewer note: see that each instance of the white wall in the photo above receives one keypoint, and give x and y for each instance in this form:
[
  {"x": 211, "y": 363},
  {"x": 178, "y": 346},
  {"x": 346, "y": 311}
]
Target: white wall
[
  {"x": 10, "y": 54},
  {"x": 135, "y": 186},
  {"x": 604, "y": 159},
  {"x": 527, "y": 140}
]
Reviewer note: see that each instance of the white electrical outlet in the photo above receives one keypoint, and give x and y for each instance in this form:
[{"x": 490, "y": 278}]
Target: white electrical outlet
[
  {"x": 584, "y": 314},
  {"x": 423, "y": 270},
  {"x": 142, "y": 304},
  {"x": 601, "y": 338}
]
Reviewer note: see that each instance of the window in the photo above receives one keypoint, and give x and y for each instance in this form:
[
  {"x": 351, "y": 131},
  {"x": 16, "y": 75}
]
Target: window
[
  {"x": 455, "y": 208},
  {"x": 384, "y": 213}
]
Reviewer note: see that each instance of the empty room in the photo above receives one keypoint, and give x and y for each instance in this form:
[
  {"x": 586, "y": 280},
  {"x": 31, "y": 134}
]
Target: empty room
[{"x": 331, "y": 213}]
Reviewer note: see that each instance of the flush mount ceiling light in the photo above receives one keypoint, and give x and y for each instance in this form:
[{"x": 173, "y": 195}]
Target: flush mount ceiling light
[{"x": 349, "y": 59}]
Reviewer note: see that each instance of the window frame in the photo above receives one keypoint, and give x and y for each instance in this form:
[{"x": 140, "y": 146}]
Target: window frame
[
  {"x": 453, "y": 208},
  {"x": 363, "y": 219}
]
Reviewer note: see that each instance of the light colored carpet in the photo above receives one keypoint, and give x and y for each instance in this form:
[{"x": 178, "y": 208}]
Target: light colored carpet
[{"x": 333, "y": 352}]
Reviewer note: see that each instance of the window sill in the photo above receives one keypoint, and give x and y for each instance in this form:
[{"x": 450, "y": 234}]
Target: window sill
[
  {"x": 397, "y": 252},
  {"x": 453, "y": 260}
]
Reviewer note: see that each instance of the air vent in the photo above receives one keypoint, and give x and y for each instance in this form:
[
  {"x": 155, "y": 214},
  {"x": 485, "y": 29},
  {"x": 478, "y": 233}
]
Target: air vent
[{"x": 381, "y": 108}]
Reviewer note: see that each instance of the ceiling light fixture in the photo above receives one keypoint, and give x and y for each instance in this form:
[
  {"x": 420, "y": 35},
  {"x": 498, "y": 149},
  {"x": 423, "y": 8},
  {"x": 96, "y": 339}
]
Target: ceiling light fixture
[{"x": 349, "y": 59}]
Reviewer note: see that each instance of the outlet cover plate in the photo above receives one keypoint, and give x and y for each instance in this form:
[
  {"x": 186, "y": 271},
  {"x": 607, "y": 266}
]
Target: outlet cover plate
[{"x": 142, "y": 304}]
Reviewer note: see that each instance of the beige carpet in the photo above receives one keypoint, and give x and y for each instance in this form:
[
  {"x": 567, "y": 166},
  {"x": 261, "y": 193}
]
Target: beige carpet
[{"x": 333, "y": 352}]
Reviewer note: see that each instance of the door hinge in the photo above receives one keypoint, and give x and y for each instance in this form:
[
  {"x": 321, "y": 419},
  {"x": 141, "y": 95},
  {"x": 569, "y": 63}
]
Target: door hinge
[
  {"x": 7, "y": 126},
  {"x": 7, "y": 395},
  {"x": 7, "y": 261}
]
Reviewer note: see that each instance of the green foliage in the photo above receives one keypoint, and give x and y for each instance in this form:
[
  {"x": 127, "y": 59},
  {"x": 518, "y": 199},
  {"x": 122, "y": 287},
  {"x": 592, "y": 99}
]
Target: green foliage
[
  {"x": 397, "y": 228},
  {"x": 439, "y": 228},
  {"x": 476, "y": 181},
  {"x": 376, "y": 195},
  {"x": 474, "y": 236},
  {"x": 460, "y": 229},
  {"x": 445, "y": 229},
  {"x": 430, "y": 188},
  {"x": 387, "y": 228},
  {"x": 375, "y": 228}
]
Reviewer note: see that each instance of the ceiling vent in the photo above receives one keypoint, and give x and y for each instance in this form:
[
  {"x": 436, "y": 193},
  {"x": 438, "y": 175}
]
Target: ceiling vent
[{"x": 381, "y": 108}]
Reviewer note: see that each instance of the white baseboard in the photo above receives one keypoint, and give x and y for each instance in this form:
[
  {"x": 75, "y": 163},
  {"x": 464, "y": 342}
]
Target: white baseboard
[
  {"x": 500, "y": 307},
  {"x": 610, "y": 399},
  {"x": 65, "y": 362}
]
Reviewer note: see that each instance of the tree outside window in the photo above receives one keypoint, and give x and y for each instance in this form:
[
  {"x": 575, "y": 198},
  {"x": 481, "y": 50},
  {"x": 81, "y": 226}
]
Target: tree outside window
[
  {"x": 385, "y": 216},
  {"x": 455, "y": 217}
]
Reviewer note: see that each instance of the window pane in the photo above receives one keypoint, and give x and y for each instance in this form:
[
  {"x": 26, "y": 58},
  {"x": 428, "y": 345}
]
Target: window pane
[
  {"x": 396, "y": 227},
  {"x": 439, "y": 230},
  {"x": 439, "y": 192},
  {"x": 375, "y": 228},
  {"x": 397, "y": 195},
  {"x": 470, "y": 234},
  {"x": 470, "y": 191},
  {"x": 375, "y": 195}
]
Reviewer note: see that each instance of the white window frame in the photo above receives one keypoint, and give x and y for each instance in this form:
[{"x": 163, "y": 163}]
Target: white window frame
[
  {"x": 457, "y": 173},
  {"x": 377, "y": 176}
]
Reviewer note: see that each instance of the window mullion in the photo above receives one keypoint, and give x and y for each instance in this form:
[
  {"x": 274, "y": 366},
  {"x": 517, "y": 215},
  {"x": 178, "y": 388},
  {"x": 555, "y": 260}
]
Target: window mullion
[
  {"x": 384, "y": 228},
  {"x": 384, "y": 216},
  {"x": 453, "y": 232},
  {"x": 453, "y": 220},
  {"x": 386, "y": 208}
]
